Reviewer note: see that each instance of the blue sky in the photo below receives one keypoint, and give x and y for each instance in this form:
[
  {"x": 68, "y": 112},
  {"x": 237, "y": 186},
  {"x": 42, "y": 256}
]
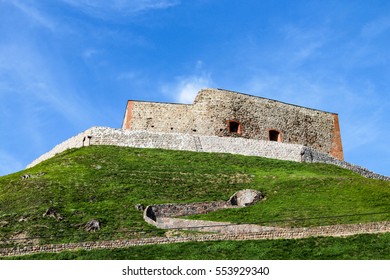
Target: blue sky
[{"x": 67, "y": 65}]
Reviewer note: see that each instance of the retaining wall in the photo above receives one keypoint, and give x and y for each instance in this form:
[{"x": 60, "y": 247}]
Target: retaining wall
[
  {"x": 293, "y": 233},
  {"x": 191, "y": 142},
  {"x": 186, "y": 209},
  {"x": 313, "y": 156},
  {"x": 176, "y": 141}
]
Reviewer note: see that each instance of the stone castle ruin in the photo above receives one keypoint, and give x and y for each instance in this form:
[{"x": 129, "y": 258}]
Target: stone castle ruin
[
  {"x": 222, "y": 121},
  {"x": 223, "y": 113}
]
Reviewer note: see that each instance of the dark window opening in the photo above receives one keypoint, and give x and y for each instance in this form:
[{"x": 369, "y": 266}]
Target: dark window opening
[
  {"x": 233, "y": 126},
  {"x": 275, "y": 135}
]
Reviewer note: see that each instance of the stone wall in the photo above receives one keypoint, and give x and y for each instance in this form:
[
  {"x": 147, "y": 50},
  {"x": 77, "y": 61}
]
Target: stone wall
[
  {"x": 313, "y": 156},
  {"x": 163, "y": 215},
  {"x": 176, "y": 141},
  {"x": 77, "y": 141},
  {"x": 213, "y": 109},
  {"x": 292, "y": 233},
  {"x": 152, "y": 212},
  {"x": 158, "y": 117},
  {"x": 200, "y": 143}
]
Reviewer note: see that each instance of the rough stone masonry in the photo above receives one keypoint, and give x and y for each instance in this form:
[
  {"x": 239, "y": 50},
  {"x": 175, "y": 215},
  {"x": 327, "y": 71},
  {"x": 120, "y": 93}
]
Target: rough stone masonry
[
  {"x": 217, "y": 112},
  {"x": 222, "y": 121}
]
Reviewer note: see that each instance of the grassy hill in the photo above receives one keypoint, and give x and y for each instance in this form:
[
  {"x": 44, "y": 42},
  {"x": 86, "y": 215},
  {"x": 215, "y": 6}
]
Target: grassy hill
[{"x": 106, "y": 182}]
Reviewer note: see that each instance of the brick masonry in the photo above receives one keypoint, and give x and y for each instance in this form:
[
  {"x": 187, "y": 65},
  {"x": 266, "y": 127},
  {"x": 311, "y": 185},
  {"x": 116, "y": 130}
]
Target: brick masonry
[{"x": 200, "y": 143}]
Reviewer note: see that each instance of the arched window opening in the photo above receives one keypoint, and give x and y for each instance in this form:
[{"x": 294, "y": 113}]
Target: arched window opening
[{"x": 274, "y": 135}]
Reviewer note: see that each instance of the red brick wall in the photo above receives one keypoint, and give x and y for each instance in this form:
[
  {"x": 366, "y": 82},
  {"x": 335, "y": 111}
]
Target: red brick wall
[
  {"x": 128, "y": 115},
  {"x": 337, "y": 147}
]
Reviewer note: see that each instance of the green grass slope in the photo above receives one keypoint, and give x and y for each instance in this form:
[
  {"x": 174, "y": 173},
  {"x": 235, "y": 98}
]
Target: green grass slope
[{"x": 106, "y": 182}]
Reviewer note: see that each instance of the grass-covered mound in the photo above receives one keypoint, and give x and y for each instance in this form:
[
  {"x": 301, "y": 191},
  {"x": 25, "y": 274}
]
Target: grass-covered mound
[{"x": 106, "y": 182}]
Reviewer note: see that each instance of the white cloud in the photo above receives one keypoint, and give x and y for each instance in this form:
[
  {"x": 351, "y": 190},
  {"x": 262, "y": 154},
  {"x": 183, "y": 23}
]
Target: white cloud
[
  {"x": 199, "y": 65},
  {"x": 188, "y": 89},
  {"x": 103, "y": 8},
  {"x": 185, "y": 89},
  {"x": 88, "y": 53},
  {"x": 305, "y": 51},
  {"x": 34, "y": 14},
  {"x": 129, "y": 75},
  {"x": 302, "y": 43},
  {"x": 31, "y": 83}
]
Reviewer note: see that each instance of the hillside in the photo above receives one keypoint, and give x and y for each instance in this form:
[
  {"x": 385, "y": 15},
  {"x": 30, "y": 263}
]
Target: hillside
[{"x": 106, "y": 182}]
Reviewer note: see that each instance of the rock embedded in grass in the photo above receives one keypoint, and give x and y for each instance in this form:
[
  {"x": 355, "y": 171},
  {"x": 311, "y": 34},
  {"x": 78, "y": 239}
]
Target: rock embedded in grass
[
  {"x": 92, "y": 225},
  {"x": 246, "y": 197}
]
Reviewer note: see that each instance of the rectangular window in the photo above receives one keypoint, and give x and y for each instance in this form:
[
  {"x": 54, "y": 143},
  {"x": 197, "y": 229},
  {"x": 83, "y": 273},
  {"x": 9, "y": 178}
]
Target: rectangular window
[
  {"x": 234, "y": 127},
  {"x": 274, "y": 135}
]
